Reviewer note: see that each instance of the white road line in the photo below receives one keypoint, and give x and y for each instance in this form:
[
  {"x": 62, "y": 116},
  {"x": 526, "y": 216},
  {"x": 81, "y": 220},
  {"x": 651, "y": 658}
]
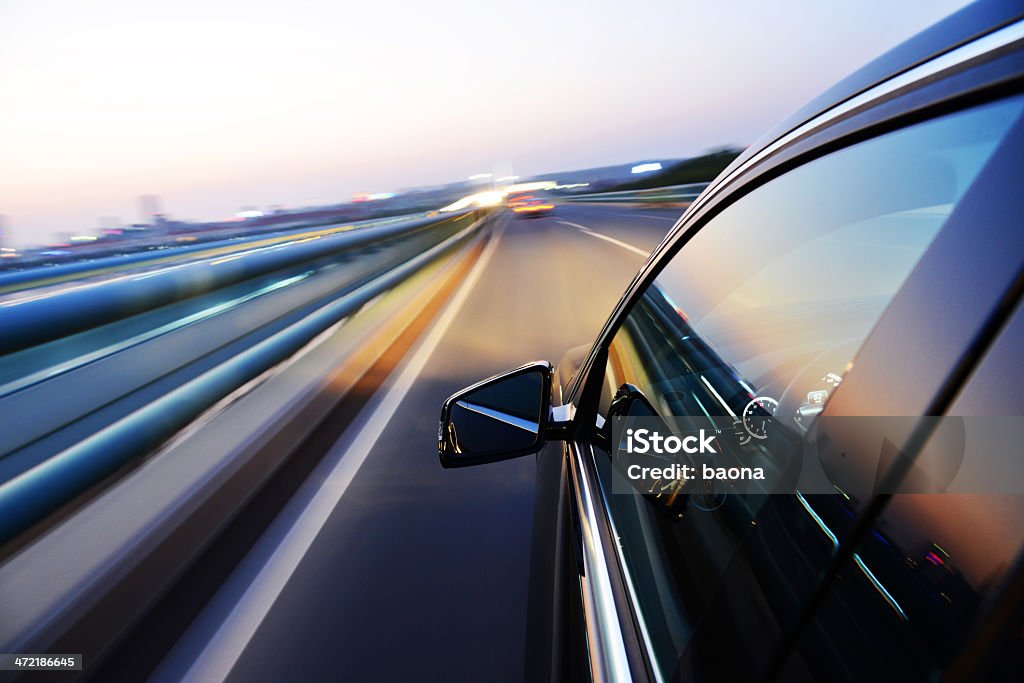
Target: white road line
[
  {"x": 644, "y": 215},
  {"x": 606, "y": 238},
  {"x": 222, "y": 651}
]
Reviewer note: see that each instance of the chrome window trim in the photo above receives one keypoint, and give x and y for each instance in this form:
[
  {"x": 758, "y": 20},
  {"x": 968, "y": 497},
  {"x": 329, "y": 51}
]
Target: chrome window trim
[
  {"x": 940, "y": 66},
  {"x": 628, "y": 579},
  {"x": 609, "y": 660}
]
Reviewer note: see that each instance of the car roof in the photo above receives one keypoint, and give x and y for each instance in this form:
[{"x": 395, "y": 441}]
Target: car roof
[{"x": 963, "y": 26}]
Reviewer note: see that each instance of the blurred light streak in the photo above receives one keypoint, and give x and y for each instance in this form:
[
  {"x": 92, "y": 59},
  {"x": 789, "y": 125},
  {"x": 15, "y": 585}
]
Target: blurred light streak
[
  {"x": 371, "y": 196},
  {"x": 880, "y": 588},
  {"x": 886, "y": 595},
  {"x": 482, "y": 199},
  {"x": 532, "y": 186},
  {"x": 646, "y": 168},
  {"x": 818, "y": 520},
  {"x": 717, "y": 396}
]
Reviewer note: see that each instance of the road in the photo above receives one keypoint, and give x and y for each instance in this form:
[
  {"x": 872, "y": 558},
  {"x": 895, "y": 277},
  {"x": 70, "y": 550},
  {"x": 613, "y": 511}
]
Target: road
[{"x": 384, "y": 566}]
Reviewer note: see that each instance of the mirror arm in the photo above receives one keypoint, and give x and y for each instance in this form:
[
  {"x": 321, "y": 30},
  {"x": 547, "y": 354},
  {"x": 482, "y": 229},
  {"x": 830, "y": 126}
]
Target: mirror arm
[{"x": 561, "y": 426}]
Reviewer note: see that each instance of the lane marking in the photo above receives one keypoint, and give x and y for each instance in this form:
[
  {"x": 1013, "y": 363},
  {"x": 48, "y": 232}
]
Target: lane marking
[
  {"x": 606, "y": 238},
  {"x": 644, "y": 215},
  {"x": 223, "y": 650}
]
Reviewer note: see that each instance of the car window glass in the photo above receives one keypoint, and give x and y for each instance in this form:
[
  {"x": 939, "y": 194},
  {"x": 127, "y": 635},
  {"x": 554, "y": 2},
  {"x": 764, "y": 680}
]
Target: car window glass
[
  {"x": 763, "y": 311},
  {"x": 934, "y": 564}
]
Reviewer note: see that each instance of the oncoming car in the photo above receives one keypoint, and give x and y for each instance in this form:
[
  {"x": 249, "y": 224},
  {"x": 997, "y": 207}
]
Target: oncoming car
[{"x": 863, "y": 264}]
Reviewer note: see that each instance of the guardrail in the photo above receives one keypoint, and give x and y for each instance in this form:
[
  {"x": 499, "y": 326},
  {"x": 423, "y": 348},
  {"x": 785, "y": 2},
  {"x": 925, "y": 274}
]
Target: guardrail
[
  {"x": 156, "y": 249},
  {"x": 30, "y": 496},
  {"x": 31, "y": 319},
  {"x": 669, "y": 194},
  {"x": 139, "y": 542}
]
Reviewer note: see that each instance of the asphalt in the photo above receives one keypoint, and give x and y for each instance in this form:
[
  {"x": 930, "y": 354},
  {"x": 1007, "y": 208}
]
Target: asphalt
[{"x": 420, "y": 573}]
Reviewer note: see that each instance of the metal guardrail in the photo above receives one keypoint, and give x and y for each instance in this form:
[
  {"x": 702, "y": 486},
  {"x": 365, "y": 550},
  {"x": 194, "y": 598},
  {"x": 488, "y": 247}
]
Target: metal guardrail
[
  {"x": 30, "y": 496},
  {"x": 29, "y": 319},
  {"x": 673, "y": 193},
  {"x": 156, "y": 250}
]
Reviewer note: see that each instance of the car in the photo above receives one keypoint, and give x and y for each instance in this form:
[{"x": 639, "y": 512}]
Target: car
[
  {"x": 529, "y": 203},
  {"x": 849, "y": 288}
]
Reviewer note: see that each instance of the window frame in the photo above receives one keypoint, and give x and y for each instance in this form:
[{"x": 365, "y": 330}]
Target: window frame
[{"x": 963, "y": 86}]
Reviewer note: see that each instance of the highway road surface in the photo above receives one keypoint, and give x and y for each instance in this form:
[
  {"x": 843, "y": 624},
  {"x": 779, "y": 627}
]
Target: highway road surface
[{"x": 384, "y": 566}]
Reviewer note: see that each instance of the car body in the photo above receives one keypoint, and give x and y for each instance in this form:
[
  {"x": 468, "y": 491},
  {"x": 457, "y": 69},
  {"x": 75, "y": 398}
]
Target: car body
[
  {"x": 529, "y": 203},
  {"x": 862, "y": 262}
]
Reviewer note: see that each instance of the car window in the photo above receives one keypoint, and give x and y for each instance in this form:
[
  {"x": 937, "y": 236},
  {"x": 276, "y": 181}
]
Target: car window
[
  {"x": 763, "y": 311},
  {"x": 935, "y": 564}
]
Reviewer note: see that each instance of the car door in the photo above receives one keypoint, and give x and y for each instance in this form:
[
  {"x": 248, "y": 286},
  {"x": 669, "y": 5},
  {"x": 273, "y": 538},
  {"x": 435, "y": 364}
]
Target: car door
[{"x": 816, "y": 293}]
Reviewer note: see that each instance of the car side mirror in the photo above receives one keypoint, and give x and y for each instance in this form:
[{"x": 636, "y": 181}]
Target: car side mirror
[{"x": 503, "y": 417}]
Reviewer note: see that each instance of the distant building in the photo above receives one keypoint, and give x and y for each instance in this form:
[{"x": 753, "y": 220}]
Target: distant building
[{"x": 150, "y": 208}]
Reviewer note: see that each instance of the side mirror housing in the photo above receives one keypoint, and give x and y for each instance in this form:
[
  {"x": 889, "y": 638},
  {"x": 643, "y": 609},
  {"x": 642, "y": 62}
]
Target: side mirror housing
[{"x": 503, "y": 417}]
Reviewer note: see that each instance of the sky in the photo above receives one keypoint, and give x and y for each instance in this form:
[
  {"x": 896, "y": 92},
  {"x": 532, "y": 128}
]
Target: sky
[{"x": 218, "y": 104}]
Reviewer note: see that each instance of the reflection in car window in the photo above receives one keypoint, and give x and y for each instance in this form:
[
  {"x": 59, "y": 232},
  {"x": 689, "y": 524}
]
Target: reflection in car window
[
  {"x": 942, "y": 558},
  {"x": 771, "y": 301}
]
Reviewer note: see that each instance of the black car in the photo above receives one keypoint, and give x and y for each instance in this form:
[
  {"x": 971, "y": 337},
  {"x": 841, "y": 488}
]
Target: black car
[{"x": 865, "y": 259}]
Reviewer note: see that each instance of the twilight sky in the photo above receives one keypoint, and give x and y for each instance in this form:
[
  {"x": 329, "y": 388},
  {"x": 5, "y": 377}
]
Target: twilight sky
[{"x": 216, "y": 104}]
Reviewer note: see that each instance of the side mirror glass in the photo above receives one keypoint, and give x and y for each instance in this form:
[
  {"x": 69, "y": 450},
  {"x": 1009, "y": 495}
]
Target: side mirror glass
[{"x": 499, "y": 418}]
